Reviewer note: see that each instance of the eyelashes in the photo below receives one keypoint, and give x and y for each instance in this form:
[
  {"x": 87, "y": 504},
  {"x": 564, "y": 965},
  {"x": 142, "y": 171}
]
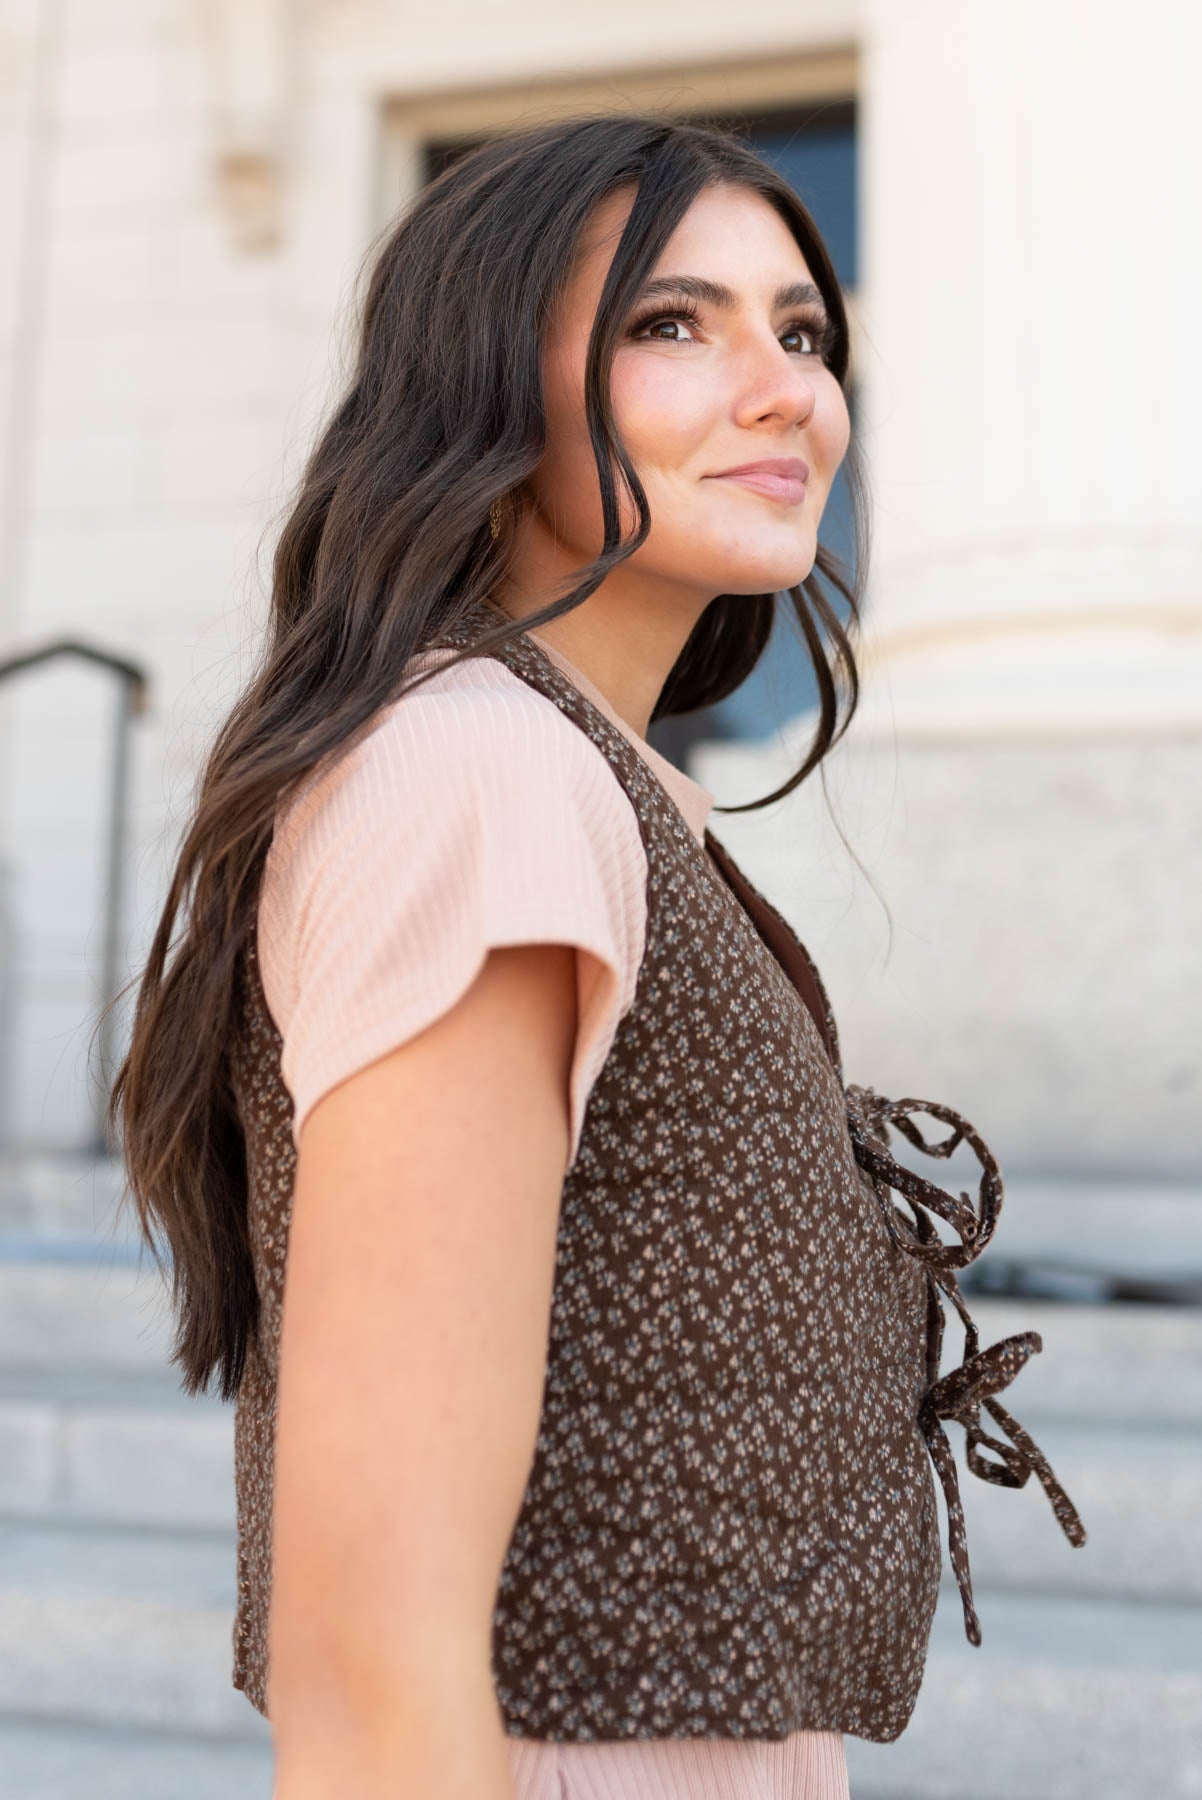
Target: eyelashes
[{"x": 816, "y": 324}]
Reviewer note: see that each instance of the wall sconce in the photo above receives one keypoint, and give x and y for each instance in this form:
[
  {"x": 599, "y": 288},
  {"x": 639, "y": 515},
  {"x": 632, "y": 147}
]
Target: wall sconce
[
  {"x": 251, "y": 186},
  {"x": 252, "y": 51}
]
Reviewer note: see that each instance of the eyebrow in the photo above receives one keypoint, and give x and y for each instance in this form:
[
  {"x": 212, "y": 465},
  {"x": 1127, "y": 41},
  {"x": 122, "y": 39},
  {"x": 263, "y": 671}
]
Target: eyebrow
[{"x": 716, "y": 293}]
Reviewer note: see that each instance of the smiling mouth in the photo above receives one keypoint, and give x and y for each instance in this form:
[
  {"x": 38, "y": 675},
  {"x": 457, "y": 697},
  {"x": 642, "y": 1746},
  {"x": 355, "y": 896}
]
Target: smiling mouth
[{"x": 789, "y": 488}]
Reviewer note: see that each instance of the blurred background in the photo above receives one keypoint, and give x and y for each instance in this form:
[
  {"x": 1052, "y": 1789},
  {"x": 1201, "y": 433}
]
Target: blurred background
[{"x": 998, "y": 875}]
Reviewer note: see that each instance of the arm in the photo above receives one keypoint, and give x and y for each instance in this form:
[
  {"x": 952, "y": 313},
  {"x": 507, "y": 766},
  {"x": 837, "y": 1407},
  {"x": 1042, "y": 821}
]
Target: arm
[{"x": 412, "y": 1363}]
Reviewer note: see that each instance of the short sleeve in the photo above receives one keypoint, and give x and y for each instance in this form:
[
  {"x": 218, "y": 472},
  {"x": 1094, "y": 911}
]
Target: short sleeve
[{"x": 472, "y": 815}]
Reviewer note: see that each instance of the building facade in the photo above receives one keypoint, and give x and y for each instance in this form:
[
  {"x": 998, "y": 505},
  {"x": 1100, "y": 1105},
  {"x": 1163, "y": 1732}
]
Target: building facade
[{"x": 191, "y": 188}]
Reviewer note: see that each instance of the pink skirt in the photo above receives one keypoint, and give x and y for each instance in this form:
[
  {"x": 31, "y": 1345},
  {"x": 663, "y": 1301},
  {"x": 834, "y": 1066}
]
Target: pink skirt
[{"x": 809, "y": 1765}]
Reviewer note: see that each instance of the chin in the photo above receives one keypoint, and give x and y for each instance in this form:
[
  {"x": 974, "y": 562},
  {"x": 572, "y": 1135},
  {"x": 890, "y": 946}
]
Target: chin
[
  {"x": 750, "y": 568},
  {"x": 768, "y": 577}
]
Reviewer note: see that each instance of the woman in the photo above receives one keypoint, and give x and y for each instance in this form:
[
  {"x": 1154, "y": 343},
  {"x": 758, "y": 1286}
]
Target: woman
[{"x": 589, "y": 1454}]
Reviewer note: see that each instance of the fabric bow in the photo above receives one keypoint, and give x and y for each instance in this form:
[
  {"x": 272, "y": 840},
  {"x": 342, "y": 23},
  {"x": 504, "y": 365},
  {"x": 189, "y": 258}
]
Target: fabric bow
[{"x": 962, "y": 1392}]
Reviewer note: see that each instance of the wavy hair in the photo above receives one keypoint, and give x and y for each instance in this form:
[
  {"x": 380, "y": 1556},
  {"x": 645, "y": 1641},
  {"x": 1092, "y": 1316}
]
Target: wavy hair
[{"x": 387, "y": 541}]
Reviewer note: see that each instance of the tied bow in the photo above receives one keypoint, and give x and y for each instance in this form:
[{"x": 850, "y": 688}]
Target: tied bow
[{"x": 962, "y": 1392}]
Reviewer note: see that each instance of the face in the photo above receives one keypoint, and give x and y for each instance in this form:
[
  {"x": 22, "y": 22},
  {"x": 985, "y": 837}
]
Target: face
[{"x": 742, "y": 381}]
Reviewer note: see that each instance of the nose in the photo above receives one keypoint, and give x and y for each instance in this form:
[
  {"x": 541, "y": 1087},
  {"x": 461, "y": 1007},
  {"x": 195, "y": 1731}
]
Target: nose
[{"x": 774, "y": 386}]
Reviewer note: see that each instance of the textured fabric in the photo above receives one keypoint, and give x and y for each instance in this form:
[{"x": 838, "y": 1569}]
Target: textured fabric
[
  {"x": 729, "y": 1529},
  {"x": 809, "y": 1765},
  {"x": 338, "y": 936},
  {"x": 394, "y": 871}
]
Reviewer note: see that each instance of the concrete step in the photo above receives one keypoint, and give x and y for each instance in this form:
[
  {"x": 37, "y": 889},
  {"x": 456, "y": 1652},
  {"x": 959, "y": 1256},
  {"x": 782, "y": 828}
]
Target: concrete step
[
  {"x": 1145, "y": 1229},
  {"x": 121, "y": 1628},
  {"x": 1064, "y": 1699},
  {"x": 1139, "y": 1494},
  {"x": 81, "y": 1315},
  {"x": 133, "y": 1464},
  {"x": 62, "y": 1760},
  {"x": 1076, "y": 1239},
  {"x": 117, "y": 1564},
  {"x": 1066, "y": 1696},
  {"x": 94, "y": 1429},
  {"x": 57, "y": 1196},
  {"x": 1125, "y": 1360},
  {"x": 1088, "y": 1240},
  {"x": 1123, "y": 1364}
]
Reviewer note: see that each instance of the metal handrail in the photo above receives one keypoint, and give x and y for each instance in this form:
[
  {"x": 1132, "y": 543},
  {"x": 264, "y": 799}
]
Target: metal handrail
[{"x": 134, "y": 699}]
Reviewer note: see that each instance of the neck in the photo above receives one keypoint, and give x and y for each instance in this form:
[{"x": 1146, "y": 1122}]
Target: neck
[{"x": 627, "y": 637}]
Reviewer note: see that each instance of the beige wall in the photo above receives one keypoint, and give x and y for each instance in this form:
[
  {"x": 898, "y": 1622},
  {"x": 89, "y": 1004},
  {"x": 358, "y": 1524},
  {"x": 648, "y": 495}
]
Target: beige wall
[{"x": 189, "y": 187}]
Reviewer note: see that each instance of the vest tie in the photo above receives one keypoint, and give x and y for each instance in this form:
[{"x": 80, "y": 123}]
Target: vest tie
[{"x": 962, "y": 1392}]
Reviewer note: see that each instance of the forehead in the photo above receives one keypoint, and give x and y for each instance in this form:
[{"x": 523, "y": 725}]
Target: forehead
[{"x": 728, "y": 232}]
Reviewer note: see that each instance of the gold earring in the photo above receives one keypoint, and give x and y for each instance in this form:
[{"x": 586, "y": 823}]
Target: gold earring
[{"x": 496, "y": 518}]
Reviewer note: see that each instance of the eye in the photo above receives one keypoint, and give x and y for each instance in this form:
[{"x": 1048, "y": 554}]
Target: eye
[
  {"x": 814, "y": 325},
  {"x": 818, "y": 328},
  {"x": 685, "y": 310}
]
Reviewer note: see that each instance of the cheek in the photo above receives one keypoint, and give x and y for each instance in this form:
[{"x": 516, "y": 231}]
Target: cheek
[
  {"x": 831, "y": 429},
  {"x": 662, "y": 410}
]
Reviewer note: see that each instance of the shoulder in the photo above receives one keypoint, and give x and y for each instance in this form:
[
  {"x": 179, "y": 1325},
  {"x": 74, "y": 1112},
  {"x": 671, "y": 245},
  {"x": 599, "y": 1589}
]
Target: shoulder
[
  {"x": 472, "y": 735},
  {"x": 476, "y": 788}
]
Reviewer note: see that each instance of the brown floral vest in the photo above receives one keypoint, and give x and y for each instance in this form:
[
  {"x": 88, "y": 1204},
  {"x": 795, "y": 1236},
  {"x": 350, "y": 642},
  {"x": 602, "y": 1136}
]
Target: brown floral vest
[{"x": 729, "y": 1527}]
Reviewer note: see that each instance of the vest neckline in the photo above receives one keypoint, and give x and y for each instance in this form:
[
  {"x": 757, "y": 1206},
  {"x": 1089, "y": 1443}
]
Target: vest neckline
[
  {"x": 780, "y": 940},
  {"x": 690, "y": 801},
  {"x": 694, "y": 801}
]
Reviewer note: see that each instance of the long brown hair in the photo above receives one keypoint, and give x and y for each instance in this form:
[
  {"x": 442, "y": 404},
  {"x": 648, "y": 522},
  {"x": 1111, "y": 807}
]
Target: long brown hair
[{"x": 388, "y": 541}]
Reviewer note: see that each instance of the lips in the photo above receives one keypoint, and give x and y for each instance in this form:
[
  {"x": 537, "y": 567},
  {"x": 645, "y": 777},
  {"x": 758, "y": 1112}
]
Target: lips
[{"x": 782, "y": 478}]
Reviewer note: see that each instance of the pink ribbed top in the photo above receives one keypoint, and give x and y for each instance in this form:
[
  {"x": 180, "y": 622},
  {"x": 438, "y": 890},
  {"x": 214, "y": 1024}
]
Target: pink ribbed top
[
  {"x": 474, "y": 814},
  {"x": 484, "y": 817}
]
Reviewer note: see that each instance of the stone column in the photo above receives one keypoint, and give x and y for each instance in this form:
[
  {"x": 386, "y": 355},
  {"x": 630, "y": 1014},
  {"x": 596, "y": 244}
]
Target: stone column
[
  {"x": 1023, "y": 780},
  {"x": 1035, "y": 365}
]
